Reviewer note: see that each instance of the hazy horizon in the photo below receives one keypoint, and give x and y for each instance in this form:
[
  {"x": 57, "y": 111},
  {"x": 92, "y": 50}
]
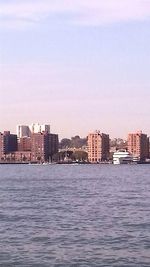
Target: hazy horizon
[{"x": 80, "y": 66}]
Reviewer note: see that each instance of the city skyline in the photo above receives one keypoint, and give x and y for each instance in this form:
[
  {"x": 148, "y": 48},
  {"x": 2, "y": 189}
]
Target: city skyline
[
  {"x": 79, "y": 65},
  {"x": 24, "y": 130}
]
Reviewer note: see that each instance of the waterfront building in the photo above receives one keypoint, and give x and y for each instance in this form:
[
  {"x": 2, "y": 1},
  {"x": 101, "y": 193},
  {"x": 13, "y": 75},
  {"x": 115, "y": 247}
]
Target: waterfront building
[
  {"x": 53, "y": 145},
  {"x": 24, "y": 144},
  {"x": 10, "y": 143},
  {"x": 98, "y": 147},
  {"x": 39, "y": 147},
  {"x": 43, "y": 146},
  {"x": 39, "y": 144},
  {"x": 1, "y": 146},
  {"x": 138, "y": 145}
]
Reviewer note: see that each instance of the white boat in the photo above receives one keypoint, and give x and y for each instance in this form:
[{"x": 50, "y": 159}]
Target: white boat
[{"x": 122, "y": 157}]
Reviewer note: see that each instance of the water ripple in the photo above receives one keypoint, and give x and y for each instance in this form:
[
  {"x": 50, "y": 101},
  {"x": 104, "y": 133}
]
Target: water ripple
[{"x": 75, "y": 216}]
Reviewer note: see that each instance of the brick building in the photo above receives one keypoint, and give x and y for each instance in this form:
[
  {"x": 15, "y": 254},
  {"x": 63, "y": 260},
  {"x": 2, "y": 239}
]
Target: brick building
[
  {"x": 24, "y": 144},
  {"x": 98, "y": 147},
  {"x": 138, "y": 145},
  {"x": 43, "y": 146}
]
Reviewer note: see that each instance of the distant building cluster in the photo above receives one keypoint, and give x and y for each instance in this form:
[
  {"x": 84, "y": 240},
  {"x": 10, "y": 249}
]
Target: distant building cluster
[
  {"x": 25, "y": 130},
  {"x": 32, "y": 143},
  {"x": 36, "y": 143},
  {"x": 137, "y": 146}
]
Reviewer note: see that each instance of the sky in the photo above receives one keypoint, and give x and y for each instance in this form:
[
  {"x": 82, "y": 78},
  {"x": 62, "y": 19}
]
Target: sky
[{"x": 79, "y": 65}]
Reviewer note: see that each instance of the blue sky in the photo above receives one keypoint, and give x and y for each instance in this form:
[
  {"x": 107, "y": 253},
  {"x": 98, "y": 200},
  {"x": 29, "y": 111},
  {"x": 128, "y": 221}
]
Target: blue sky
[{"x": 78, "y": 65}]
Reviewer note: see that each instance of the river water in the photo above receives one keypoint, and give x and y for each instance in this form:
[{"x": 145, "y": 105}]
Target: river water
[{"x": 75, "y": 215}]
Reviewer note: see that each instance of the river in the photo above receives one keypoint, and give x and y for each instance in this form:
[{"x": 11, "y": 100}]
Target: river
[{"x": 75, "y": 215}]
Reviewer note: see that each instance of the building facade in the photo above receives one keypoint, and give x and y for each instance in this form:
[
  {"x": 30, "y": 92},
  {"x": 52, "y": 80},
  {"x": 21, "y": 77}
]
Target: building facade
[
  {"x": 138, "y": 145},
  {"x": 53, "y": 144},
  {"x": 10, "y": 143},
  {"x": 22, "y": 131},
  {"x": 40, "y": 147},
  {"x": 24, "y": 144},
  {"x": 43, "y": 146},
  {"x": 39, "y": 128},
  {"x": 98, "y": 147},
  {"x": 1, "y": 146},
  {"x": 39, "y": 144}
]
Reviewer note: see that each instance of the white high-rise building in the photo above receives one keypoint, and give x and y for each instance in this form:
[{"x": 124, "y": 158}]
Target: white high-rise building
[
  {"x": 22, "y": 131},
  {"x": 45, "y": 128},
  {"x": 39, "y": 128}
]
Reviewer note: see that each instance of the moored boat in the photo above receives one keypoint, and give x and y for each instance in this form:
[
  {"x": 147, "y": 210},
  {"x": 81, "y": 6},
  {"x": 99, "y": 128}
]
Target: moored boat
[{"x": 122, "y": 157}]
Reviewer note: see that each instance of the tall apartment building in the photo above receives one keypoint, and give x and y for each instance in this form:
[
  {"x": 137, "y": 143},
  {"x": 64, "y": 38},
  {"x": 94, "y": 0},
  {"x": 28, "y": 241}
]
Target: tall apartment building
[
  {"x": 43, "y": 146},
  {"x": 98, "y": 147},
  {"x": 53, "y": 145},
  {"x": 138, "y": 145},
  {"x": 27, "y": 131},
  {"x": 39, "y": 147},
  {"x": 8, "y": 143},
  {"x": 1, "y": 146},
  {"x": 22, "y": 131},
  {"x": 24, "y": 144},
  {"x": 39, "y": 128}
]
